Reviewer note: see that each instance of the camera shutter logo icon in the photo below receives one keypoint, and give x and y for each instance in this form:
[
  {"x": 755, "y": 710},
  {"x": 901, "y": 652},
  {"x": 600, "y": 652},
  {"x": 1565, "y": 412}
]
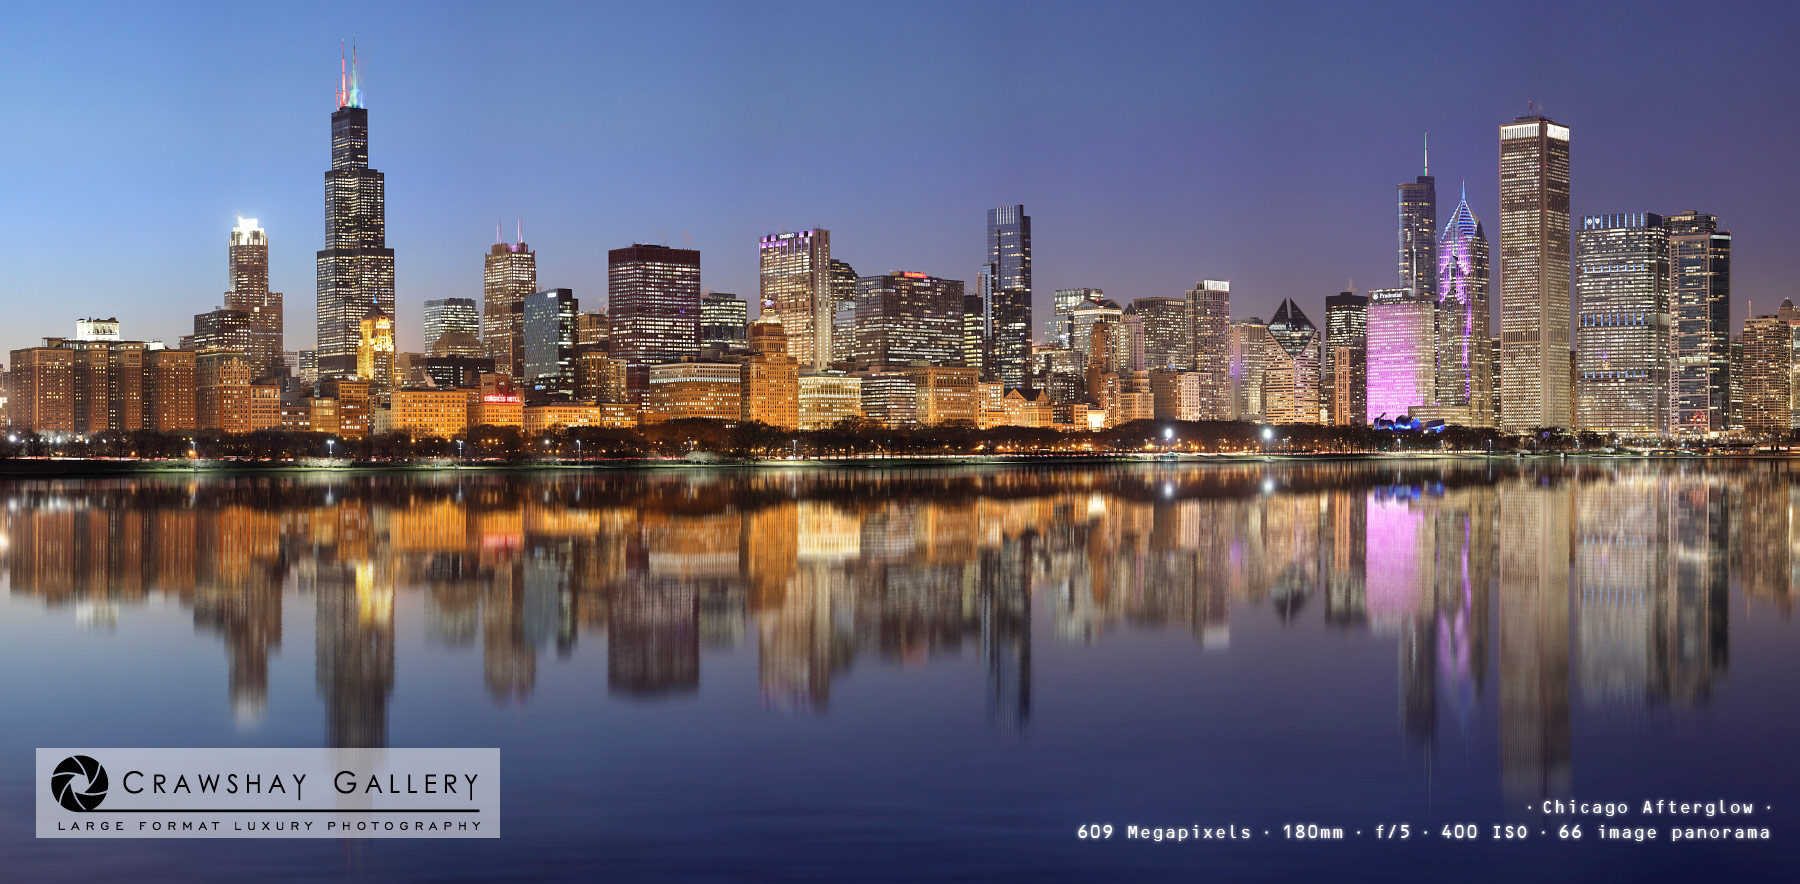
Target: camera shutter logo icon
[{"x": 78, "y": 783}]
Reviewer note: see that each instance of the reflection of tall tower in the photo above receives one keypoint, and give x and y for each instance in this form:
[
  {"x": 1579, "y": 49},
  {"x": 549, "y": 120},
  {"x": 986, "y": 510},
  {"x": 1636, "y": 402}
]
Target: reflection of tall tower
[
  {"x": 1621, "y": 543},
  {"x": 1534, "y": 543},
  {"x": 1005, "y": 576},
  {"x": 1691, "y": 648},
  {"x": 653, "y": 639},
  {"x": 354, "y": 652}
]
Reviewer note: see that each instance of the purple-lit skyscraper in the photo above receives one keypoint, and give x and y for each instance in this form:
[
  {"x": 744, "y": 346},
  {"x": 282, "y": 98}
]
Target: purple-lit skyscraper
[
  {"x": 1402, "y": 353},
  {"x": 1464, "y": 378}
]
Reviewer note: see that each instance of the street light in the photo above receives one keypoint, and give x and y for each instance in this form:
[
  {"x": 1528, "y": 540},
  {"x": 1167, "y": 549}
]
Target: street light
[{"x": 330, "y": 449}]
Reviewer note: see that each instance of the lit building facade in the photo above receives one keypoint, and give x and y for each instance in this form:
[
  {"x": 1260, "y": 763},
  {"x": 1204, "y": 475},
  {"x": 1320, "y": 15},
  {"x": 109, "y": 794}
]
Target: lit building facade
[
  {"x": 1770, "y": 360},
  {"x": 248, "y": 268},
  {"x": 1007, "y": 292},
  {"x": 1168, "y": 333},
  {"x": 795, "y": 270},
  {"x": 1625, "y": 333},
  {"x": 223, "y": 328},
  {"x": 547, "y": 352},
  {"x": 1465, "y": 375},
  {"x": 1418, "y": 232},
  {"x": 826, "y": 398},
  {"x": 945, "y": 394},
  {"x": 356, "y": 268},
  {"x": 906, "y": 317},
  {"x": 442, "y": 414},
  {"x": 508, "y": 274},
  {"x": 1345, "y": 367},
  {"x": 1209, "y": 305},
  {"x": 683, "y": 390},
  {"x": 1291, "y": 373},
  {"x": 453, "y": 327},
  {"x": 1700, "y": 277},
  {"x": 653, "y": 301},
  {"x": 1059, "y": 329},
  {"x": 1250, "y": 346},
  {"x": 724, "y": 321},
  {"x": 1402, "y": 353},
  {"x": 1535, "y": 325},
  {"x": 771, "y": 379},
  {"x": 375, "y": 352}
]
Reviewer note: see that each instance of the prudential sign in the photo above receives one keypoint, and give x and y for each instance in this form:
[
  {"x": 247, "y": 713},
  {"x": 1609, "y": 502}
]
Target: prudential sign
[{"x": 268, "y": 793}]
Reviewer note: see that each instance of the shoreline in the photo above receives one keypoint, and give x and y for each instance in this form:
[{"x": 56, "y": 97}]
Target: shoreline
[{"x": 53, "y": 467}]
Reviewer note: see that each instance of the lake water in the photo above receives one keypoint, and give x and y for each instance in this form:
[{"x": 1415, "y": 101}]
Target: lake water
[{"x": 848, "y": 675}]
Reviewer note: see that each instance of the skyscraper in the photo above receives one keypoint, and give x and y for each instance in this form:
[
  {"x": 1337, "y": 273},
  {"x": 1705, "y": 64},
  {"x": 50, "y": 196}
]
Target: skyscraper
[
  {"x": 1418, "y": 232},
  {"x": 974, "y": 334},
  {"x": 653, "y": 299},
  {"x": 508, "y": 274},
  {"x": 1771, "y": 352},
  {"x": 1700, "y": 270},
  {"x": 1168, "y": 333},
  {"x": 907, "y": 316},
  {"x": 547, "y": 354},
  {"x": 1058, "y": 329},
  {"x": 1534, "y": 265},
  {"x": 1291, "y": 369},
  {"x": 1209, "y": 306},
  {"x": 356, "y": 268},
  {"x": 796, "y": 281},
  {"x": 1346, "y": 359},
  {"x": 1402, "y": 353},
  {"x": 453, "y": 327},
  {"x": 248, "y": 263},
  {"x": 222, "y": 329},
  {"x": 724, "y": 321},
  {"x": 375, "y": 352},
  {"x": 1250, "y": 352},
  {"x": 1624, "y": 337},
  {"x": 1464, "y": 374},
  {"x": 843, "y": 315},
  {"x": 1007, "y": 276}
]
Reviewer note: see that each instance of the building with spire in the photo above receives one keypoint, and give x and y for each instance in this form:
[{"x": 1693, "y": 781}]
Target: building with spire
[
  {"x": 1464, "y": 371},
  {"x": 1418, "y": 231},
  {"x": 248, "y": 267},
  {"x": 509, "y": 273},
  {"x": 356, "y": 268}
]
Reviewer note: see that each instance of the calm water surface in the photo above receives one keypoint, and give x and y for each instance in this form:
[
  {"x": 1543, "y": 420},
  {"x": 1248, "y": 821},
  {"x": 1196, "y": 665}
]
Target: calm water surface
[{"x": 817, "y": 675}]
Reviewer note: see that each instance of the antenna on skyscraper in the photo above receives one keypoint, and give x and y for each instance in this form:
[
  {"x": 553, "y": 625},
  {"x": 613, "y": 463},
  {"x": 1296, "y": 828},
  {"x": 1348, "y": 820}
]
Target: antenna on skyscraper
[
  {"x": 1427, "y": 154},
  {"x": 343, "y": 75},
  {"x": 497, "y": 239},
  {"x": 519, "y": 229}
]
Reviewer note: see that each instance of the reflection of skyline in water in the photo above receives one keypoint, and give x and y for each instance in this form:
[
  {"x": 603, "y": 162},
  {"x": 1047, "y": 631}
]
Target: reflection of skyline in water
[{"x": 1607, "y": 584}]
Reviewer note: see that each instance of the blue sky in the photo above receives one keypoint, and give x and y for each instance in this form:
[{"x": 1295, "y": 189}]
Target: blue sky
[{"x": 1153, "y": 144}]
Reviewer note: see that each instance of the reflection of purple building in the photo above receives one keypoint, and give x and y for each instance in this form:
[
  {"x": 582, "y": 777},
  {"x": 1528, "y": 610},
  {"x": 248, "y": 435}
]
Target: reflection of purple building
[
  {"x": 1464, "y": 376},
  {"x": 1402, "y": 352}
]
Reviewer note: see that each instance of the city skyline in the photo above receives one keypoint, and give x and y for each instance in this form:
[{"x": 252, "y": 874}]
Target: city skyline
[{"x": 1117, "y": 228}]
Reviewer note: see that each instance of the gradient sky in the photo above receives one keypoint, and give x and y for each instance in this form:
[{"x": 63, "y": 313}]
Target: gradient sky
[{"x": 1152, "y": 144}]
